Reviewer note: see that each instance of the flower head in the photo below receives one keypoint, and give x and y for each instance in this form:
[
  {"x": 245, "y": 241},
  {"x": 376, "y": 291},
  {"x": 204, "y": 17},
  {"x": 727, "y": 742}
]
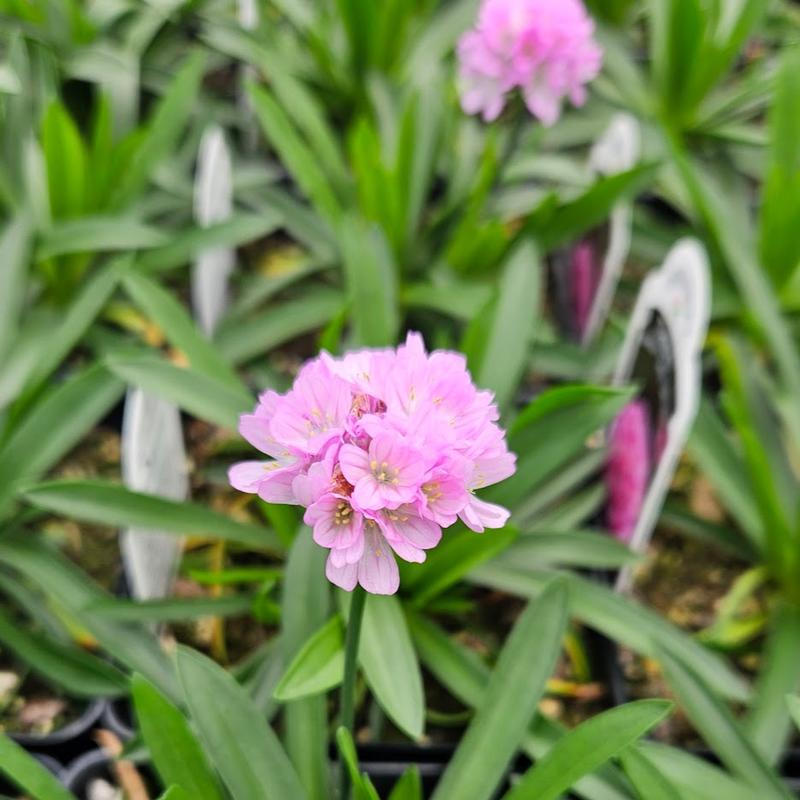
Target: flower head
[
  {"x": 383, "y": 448},
  {"x": 544, "y": 48},
  {"x": 628, "y": 468}
]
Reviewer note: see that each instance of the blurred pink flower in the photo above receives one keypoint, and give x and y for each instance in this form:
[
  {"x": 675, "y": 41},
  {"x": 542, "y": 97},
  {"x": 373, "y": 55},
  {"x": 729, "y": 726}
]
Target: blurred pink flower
[
  {"x": 544, "y": 48},
  {"x": 628, "y": 468},
  {"x": 584, "y": 274},
  {"x": 384, "y": 448}
]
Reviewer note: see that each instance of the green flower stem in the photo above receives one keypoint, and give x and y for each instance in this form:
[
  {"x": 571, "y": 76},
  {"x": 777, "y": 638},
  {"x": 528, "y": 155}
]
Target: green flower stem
[{"x": 348, "y": 711}]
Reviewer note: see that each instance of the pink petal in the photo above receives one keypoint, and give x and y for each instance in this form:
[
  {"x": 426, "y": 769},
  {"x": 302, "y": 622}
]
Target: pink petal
[
  {"x": 344, "y": 577},
  {"x": 377, "y": 570},
  {"x": 479, "y": 515},
  {"x": 354, "y": 463},
  {"x": 247, "y": 475}
]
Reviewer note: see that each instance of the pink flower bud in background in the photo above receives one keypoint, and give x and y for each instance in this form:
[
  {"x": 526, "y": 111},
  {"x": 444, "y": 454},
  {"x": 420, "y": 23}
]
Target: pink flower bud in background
[
  {"x": 544, "y": 48},
  {"x": 628, "y": 468},
  {"x": 383, "y": 448}
]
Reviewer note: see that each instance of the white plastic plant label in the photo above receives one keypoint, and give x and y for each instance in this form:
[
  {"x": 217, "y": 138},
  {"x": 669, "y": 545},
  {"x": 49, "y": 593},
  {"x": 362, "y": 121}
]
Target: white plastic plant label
[
  {"x": 661, "y": 355},
  {"x": 154, "y": 462},
  {"x": 213, "y": 202},
  {"x": 587, "y": 272}
]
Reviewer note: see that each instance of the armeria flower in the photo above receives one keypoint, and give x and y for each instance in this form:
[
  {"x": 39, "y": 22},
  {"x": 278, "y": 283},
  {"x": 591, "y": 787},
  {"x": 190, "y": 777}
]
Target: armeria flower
[
  {"x": 628, "y": 468},
  {"x": 544, "y": 48},
  {"x": 383, "y": 448}
]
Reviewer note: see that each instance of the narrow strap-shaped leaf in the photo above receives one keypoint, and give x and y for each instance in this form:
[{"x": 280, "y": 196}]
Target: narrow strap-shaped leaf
[
  {"x": 27, "y": 773},
  {"x": 173, "y": 748},
  {"x": 510, "y": 700},
  {"x": 305, "y": 607},
  {"x": 111, "y": 504},
  {"x": 55, "y": 425},
  {"x": 134, "y": 646},
  {"x": 620, "y": 619},
  {"x": 647, "y": 779},
  {"x": 586, "y": 747},
  {"x": 173, "y": 608},
  {"x": 717, "y": 725},
  {"x": 318, "y": 665},
  {"x": 180, "y": 329},
  {"x": 195, "y": 392},
  {"x": 78, "y": 671},
  {"x": 390, "y": 663},
  {"x": 238, "y": 741},
  {"x": 767, "y": 723}
]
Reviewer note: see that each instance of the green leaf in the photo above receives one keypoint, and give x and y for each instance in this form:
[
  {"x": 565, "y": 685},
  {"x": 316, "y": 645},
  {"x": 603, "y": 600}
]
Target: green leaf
[
  {"x": 65, "y": 157},
  {"x": 371, "y": 283},
  {"x": 568, "y": 548},
  {"x": 240, "y": 228},
  {"x": 409, "y": 786},
  {"x": 318, "y": 666},
  {"x": 294, "y": 153},
  {"x": 678, "y": 28},
  {"x": 66, "y": 665},
  {"x": 173, "y": 608},
  {"x": 767, "y": 722},
  {"x": 694, "y": 777},
  {"x": 457, "y": 554},
  {"x": 713, "y": 449},
  {"x": 794, "y": 709},
  {"x": 362, "y": 786},
  {"x": 621, "y": 619},
  {"x": 510, "y": 700},
  {"x": 462, "y": 672},
  {"x": 112, "y": 504},
  {"x": 779, "y": 240},
  {"x": 164, "y": 129},
  {"x": 554, "y": 227},
  {"x": 647, "y": 779},
  {"x": 588, "y": 746},
  {"x": 202, "y": 396},
  {"x": 174, "y": 750},
  {"x": 551, "y": 431},
  {"x": 175, "y": 793},
  {"x": 77, "y": 319},
  {"x": 243, "y": 748},
  {"x": 305, "y": 607},
  {"x": 27, "y": 773},
  {"x": 15, "y": 243},
  {"x": 717, "y": 725},
  {"x": 242, "y": 340},
  {"x": 504, "y": 353},
  {"x": 61, "y": 418},
  {"x": 390, "y": 664},
  {"x": 134, "y": 646},
  {"x": 98, "y": 234},
  {"x": 180, "y": 329}
]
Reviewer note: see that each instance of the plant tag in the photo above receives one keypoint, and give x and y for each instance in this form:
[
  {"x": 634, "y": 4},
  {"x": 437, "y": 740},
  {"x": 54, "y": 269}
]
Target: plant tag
[
  {"x": 213, "y": 202},
  {"x": 153, "y": 461},
  {"x": 587, "y": 272},
  {"x": 661, "y": 354}
]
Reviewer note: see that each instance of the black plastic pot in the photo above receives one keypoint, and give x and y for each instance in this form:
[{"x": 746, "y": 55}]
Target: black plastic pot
[
  {"x": 48, "y": 761},
  {"x": 118, "y": 719},
  {"x": 67, "y": 742},
  {"x": 94, "y": 765}
]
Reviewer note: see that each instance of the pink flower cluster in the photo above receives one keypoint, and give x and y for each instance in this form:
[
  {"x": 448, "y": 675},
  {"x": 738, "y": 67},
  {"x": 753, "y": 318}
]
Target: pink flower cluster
[
  {"x": 628, "y": 468},
  {"x": 544, "y": 48},
  {"x": 384, "y": 448}
]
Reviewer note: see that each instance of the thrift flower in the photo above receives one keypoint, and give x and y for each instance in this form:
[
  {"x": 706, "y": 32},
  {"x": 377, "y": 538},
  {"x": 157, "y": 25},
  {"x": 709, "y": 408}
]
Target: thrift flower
[
  {"x": 544, "y": 48},
  {"x": 383, "y": 448},
  {"x": 628, "y": 468}
]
